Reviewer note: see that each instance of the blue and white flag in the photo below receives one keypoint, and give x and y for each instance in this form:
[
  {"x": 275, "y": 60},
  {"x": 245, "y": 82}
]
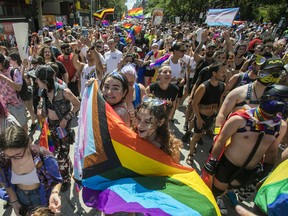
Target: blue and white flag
[{"x": 221, "y": 17}]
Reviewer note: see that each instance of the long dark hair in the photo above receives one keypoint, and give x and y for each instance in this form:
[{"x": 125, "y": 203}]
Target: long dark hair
[
  {"x": 41, "y": 53},
  {"x": 45, "y": 74},
  {"x": 122, "y": 78},
  {"x": 14, "y": 137},
  {"x": 169, "y": 144}
]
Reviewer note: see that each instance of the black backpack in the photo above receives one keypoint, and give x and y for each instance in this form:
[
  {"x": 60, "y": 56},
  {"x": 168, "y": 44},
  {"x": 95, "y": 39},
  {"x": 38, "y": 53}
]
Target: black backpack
[{"x": 25, "y": 93}]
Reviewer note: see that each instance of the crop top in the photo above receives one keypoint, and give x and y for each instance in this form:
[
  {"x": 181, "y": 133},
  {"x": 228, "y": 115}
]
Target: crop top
[{"x": 25, "y": 179}]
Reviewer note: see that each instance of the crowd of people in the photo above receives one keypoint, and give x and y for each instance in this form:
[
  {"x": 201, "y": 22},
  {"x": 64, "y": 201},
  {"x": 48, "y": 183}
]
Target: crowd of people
[{"x": 234, "y": 80}]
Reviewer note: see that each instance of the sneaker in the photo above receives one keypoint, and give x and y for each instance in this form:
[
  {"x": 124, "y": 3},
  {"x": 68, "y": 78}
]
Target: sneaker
[
  {"x": 222, "y": 206},
  {"x": 185, "y": 127},
  {"x": 186, "y": 137},
  {"x": 231, "y": 196}
]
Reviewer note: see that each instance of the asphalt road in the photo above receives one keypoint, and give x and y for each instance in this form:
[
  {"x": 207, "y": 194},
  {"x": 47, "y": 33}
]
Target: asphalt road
[{"x": 72, "y": 202}]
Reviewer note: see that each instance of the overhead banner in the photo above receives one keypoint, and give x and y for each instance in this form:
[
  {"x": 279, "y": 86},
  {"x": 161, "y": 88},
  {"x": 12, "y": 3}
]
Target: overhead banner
[
  {"x": 157, "y": 16},
  {"x": 21, "y": 34},
  {"x": 221, "y": 17}
]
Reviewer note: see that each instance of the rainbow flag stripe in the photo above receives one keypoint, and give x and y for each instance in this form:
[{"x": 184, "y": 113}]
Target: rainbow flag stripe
[
  {"x": 101, "y": 14},
  {"x": 136, "y": 13},
  {"x": 160, "y": 61},
  {"x": 272, "y": 197},
  {"x": 121, "y": 172}
]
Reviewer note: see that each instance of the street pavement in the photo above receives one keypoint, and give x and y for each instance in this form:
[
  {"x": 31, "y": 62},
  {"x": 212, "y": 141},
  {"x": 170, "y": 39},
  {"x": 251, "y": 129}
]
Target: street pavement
[{"x": 72, "y": 200}]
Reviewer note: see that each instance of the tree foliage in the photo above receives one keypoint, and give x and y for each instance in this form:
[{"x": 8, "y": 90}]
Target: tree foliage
[{"x": 258, "y": 10}]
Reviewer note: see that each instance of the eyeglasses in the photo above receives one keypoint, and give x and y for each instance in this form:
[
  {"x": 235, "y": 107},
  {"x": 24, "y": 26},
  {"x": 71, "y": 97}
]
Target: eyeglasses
[
  {"x": 182, "y": 51},
  {"x": 153, "y": 101},
  {"x": 15, "y": 157}
]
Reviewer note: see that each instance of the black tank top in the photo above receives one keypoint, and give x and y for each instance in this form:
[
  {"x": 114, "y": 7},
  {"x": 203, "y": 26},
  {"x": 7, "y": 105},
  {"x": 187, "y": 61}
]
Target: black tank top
[{"x": 212, "y": 93}]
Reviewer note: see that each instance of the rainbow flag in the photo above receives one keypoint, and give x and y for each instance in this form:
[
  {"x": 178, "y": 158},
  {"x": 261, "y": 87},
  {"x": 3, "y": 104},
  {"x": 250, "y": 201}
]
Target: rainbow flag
[
  {"x": 45, "y": 139},
  {"x": 121, "y": 172},
  {"x": 101, "y": 14},
  {"x": 160, "y": 61},
  {"x": 272, "y": 197},
  {"x": 136, "y": 13}
]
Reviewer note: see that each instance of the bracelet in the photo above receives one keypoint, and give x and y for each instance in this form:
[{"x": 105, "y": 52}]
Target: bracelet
[
  {"x": 217, "y": 130},
  {"x": 55, "y": 192},
  {"x": 77, "y": 51},
  {"x": 69, "y": 116},
  {"x": 16, "y": 201}
]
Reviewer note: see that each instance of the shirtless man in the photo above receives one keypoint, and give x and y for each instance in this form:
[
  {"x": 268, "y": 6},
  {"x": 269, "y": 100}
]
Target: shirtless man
[
  {"x": 244, "y": 127},
  {"x": 206, "y": 102},
  {"x": 270, "y": 72}
]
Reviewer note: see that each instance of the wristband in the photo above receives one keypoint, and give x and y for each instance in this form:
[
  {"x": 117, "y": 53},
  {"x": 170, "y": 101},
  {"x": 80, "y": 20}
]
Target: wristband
[
  {"x": 16, "y": 201},
  {"x": 55, "y": 192},
  {"x": 77, "y": 51},
  {"x": 217, "y": 130}
]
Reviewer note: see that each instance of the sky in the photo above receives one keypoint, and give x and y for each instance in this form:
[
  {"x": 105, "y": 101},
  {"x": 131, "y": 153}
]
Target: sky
[{"x": 130, "y": 3}]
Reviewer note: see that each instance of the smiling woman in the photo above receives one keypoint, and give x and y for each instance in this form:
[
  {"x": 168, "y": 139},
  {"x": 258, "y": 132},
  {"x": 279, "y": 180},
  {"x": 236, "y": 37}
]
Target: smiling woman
[
  {"x": 114, "y": 87},
  {"x": 30, "y": 174},
  {"x": 152, "y": 125}
]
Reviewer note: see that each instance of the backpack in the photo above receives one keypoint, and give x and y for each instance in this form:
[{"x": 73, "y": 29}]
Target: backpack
[{"x": 25, "y": 93}]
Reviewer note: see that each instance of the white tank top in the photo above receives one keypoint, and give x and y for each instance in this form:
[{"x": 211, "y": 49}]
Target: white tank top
[
  {"x": 26, "y": 179},
  {"x": 87, "y": 73},
  {"x": 176, "y": 69}
]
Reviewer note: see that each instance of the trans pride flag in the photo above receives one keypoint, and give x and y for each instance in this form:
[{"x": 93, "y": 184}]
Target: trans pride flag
[
  {"x": 272, "y": 197},
  {"x": 136, "y": 13},
  {"x": 121, "y": 172}
]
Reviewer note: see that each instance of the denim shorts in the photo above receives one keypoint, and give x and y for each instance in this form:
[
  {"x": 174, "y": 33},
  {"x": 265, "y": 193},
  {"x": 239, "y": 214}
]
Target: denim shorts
[{"x": 29, "y": 198}]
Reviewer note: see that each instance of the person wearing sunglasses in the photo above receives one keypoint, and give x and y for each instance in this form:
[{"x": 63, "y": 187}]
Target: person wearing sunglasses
[
  {"x": 152, "y": 124},
  {"x": 29, "y": 173}
]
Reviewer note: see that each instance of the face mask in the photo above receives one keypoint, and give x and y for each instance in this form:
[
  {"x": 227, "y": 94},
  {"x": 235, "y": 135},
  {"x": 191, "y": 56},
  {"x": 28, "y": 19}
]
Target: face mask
[
  {"x": 267, "y": 78},
  {"x": 273, "y": 106}
]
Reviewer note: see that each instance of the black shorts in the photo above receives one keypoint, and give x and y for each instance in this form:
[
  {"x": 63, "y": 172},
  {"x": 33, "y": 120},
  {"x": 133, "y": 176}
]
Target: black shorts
[
  {"x": 225, "y": 171},
  {"x": 181, "y": 90},
  {"x": 208, "y": 123}
]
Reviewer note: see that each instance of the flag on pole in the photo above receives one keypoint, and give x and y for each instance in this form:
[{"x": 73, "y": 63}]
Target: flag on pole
[
  {"x": 221, "y": 17},
  {"x": 101, "y": 14},
  {"x": 123, "y": 16},
  {"x": 136, "y": 13},
  {"x": 120, "y": 172}
]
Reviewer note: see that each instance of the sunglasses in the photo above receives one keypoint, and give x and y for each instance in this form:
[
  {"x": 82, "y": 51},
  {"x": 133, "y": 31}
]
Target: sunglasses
[
  {"x": 153, "y": 101},
  {"x": 99, "y": 47},
  {"x": 15, "y": 157},
  {"x": 182, "y": 51}
]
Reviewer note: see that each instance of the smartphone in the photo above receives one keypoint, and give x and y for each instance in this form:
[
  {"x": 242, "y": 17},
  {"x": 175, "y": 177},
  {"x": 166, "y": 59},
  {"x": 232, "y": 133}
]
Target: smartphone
[{"x": 85, "y": 33}]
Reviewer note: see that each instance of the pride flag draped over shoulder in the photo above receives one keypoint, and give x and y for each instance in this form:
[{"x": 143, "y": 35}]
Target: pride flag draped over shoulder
[
  {"x": 122, "y": 173},
  {"x": 272, "y": 197},
  {"x": 136, "y": 13}
]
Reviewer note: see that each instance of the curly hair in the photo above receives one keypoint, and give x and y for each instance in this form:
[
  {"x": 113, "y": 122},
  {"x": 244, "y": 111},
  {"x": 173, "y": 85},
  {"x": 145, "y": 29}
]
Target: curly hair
[
  {"x": 169, "y": 143},
  {"x": 41, "y": 53}
]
